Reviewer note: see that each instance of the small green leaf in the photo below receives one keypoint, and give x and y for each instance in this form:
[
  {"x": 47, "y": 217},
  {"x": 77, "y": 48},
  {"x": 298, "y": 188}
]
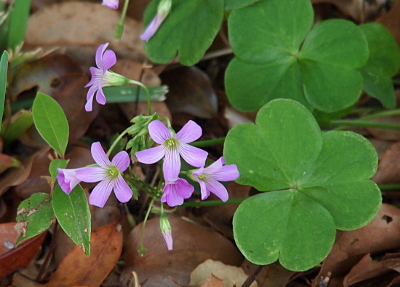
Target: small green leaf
[
  {"x": 188, "y": 30},
  {"x": 73, "y": 214},
  {"x": 282, "y": 26},
  {"x": 315, "y": 182},
  {"x": 383, "y": 63},
  {"x": 20, "y": 122},
  {"x": 54, "y": 164},
  {"x": 51, "y": 122},
  {"x": 34, "y": 215},
  {"x": 3, "y": 82},
  {"x": 316, "y": 67},
  {"x": 18, "y": 23}
]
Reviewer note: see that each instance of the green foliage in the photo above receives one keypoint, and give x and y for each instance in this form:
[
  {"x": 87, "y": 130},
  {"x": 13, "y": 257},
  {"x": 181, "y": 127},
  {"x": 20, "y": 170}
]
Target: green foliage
[
  {"x": 34, "y": 216},
  {"x": 13, "y": 29},
  {"x": 3, "y": 82},
  {"x": 316, "y": 182},
  {"x": 315, "y": 67},
  {"x": 73, "y": 214},
  {"x": 21, "y": 121},
  {"x": 51, "y": 122},
  {"x": 383, "y": 63},
  {"x": 188, "y": 30},
  {"x": 235, "y": 4}
]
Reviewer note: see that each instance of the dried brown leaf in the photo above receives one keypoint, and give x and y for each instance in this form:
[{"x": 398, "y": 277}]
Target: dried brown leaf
[
  {"x": 11, "y": 257},
  {"x": 82, "y": 270},
  {"x": 190, "y": 91},
  {"x": 389, "y": 165},
  {"x": 228, "y": 276},
  {"x": 193, "y": 244}
]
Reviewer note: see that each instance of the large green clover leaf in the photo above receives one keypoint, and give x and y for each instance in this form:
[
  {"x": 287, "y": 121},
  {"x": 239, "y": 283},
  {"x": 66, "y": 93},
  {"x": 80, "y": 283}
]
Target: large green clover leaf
[
  {"x": 188, "y": 30},
  {"x": 316, "y": 182},
  {"x": 315, "y": 66},
  {"x": 383, "y": 63}
]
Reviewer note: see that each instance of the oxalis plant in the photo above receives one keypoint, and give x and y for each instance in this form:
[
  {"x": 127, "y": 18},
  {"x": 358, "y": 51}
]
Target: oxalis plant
[{"x": 298, "y": 74}]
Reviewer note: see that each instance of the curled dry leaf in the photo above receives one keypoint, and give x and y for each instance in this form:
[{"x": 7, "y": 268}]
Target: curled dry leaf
[
  {"x": 353, "y": 245},
  {"x": 352, "y": 8},
  {"x": 270, "y": 275},
  {"x": 61, "y": 78},
  {"x": 386, "y": 134},
  {"x": 17, "y": 175},
  {"x": 12, "y": 258},
  {"x": 82, "y": 24},
  {"x": 190, "y": 91},
  {"x": 389, "y": 165},
  {"x": 229, "y": 275},
  {"x": 365, "y": 269},
  {"x": 391, "y": 21},
  {"x": 81, "y": 270},
  {"x": 193, "y": 244}
]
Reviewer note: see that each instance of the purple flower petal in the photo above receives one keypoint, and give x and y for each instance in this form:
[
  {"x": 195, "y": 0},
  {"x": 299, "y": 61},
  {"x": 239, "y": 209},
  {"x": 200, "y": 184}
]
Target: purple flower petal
[
  {"x": 150, "y": 155},
  {"x": 121, "y": 161},
  {"x": 168, "y": 239},
  {"x": 99, "y": 155},
  {"x": 67, "y": 179},
  {"x": 217, "y": 188},
  {"x": 172, "y": 165},
  {"x": 91, "y": 174},
  {"x": 109, "y": 59},
  {"x": 90, "y": 95},
  {"x": 112, "y": 4},
  {"x": 176, "y": 191},
  {"x": 189, "y": 132},
  {"x": 99, "y": 55},
  {"x": 158, "y": 132},
  {"x": 100, "y": 97},
  {"x": 171, "y": 197},
  {"x": 193, "y": 155},
  {"x": 152, "y": 28},
  {"x": 227, "y": 173},
  {"x": 122, "y": 190},
  {"x": 184, "y": 188},
  {"x": 101, "y": 193},
  {"x": 205, "y": 193}
]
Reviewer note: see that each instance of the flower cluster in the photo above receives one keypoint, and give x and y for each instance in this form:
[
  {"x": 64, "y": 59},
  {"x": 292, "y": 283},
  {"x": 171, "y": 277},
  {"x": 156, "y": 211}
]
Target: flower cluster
[
  {"x": 171, "y": 148},
  {"x": 109, "y": 173}
]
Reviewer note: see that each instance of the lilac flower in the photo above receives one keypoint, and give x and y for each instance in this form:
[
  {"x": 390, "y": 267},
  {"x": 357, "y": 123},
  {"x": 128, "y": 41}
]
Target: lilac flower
[
  {"x": 208, "y": 178},
  {"x": 175, "y": 191},
  {"x": 171, "y": 146},
  {"x": 109, "y": 174},
  {"x": 102, "y": 77},
  {"x": 162, "y": 12},
  {"x": 165, "y": 228},
  {"x": 112, "y": 4},
  {"x": 67, "y": 179}
]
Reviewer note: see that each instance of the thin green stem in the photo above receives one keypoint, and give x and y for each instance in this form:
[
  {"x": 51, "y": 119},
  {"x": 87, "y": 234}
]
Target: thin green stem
[
  {"x": 120, "y": 26},
  {"x": 389, "y": 186},
  {"x": 116, "y": 141},
  {"x": 147, "y": 93},
  {"x": 208, "y": 142},
  {"x": 213, "y": 202},
  {"x": 144, "y": 224},
  {"x": 382, "y": 114},
  {"x": 361, "y": 123}
]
